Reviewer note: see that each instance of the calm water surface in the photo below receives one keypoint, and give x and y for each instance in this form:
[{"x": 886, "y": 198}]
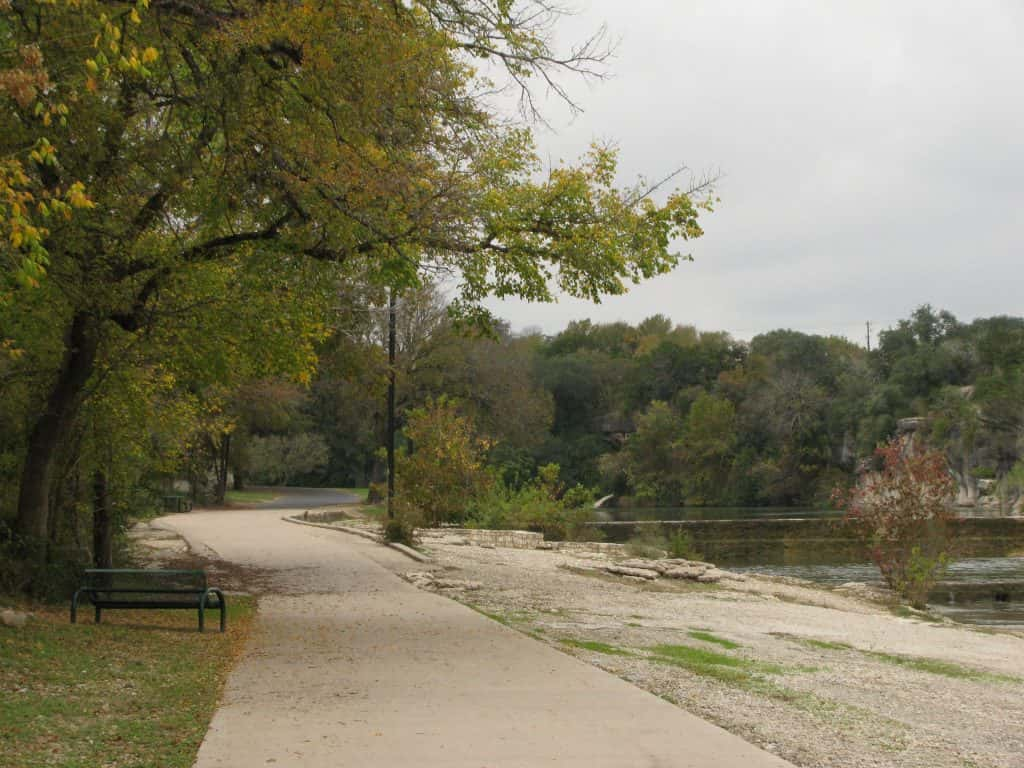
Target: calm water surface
[
  {"x": 717, "y": 513},
  {"x": 983, "y": 590}
]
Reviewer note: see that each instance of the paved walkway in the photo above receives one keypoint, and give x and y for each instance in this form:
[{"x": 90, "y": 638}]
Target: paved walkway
[{"x": 351, "y": 666}]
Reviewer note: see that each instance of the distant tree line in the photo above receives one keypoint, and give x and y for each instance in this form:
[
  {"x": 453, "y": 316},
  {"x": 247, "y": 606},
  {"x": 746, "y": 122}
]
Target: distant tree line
[{"x": 666, "y": 414}]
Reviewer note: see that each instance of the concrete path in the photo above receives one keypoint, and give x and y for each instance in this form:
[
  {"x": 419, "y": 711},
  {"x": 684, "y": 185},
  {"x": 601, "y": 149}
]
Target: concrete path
[{"x": 351, "y": 666}]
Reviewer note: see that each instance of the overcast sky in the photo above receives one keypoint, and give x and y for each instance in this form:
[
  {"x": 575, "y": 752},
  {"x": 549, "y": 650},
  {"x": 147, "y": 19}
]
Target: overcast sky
[{"x": 872, "y": 157}]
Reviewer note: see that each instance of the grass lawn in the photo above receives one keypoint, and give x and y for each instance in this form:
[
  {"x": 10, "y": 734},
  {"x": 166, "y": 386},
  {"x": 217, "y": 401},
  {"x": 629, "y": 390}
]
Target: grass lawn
[
  {"x": 362, "y": 493},
  {"x": 374, "y": 511},
  {"x": 248, "y": 497},
  {"x": 136, "y": 691}
]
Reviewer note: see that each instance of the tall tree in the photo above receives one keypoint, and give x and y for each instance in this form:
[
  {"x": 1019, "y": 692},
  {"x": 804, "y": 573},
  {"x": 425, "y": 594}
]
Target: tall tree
[{"x": 267, "y": 132}]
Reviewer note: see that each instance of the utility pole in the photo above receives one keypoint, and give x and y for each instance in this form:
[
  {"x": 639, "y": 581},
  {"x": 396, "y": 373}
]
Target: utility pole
[
  {"x": 869, "y": 335},
  {"x": 392, "y": 322}
]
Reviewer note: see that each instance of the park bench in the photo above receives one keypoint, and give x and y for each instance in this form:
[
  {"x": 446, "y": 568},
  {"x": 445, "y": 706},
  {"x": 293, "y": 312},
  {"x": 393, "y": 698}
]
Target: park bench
[{"x": 129, "y": 588}]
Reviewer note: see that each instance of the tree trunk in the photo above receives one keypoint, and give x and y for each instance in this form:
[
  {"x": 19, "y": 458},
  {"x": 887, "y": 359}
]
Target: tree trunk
[
  {"x": 223, "y": 453},
  {"x": 102, "y": 523},
  {"x": 50, "y": 430}
]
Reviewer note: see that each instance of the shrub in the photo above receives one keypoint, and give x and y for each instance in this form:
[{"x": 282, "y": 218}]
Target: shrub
[
  {"x": 902, "y": 512},
  {"x": 438, "y": 480},
  {"x": 653, "y": 544},
  {"x": 649, "y": 544},
  {"x": 680, "y": 544},
  {"x": 400, "y": 529},
  {"x": 540, "y": 506}
]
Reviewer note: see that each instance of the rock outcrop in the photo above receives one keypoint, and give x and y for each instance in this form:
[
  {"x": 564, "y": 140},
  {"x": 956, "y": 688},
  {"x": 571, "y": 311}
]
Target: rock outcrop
[{"x": 672, "y": 568}]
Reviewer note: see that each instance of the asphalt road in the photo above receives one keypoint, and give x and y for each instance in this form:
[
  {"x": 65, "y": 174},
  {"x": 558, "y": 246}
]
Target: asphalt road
[{"x": 301, "y": 498}]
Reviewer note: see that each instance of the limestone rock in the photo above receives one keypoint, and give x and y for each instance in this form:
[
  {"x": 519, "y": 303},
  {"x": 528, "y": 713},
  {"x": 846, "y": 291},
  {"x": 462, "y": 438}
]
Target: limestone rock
[
  {"x": 639, "y": 562},
  {"x": 684, "y": 572},
  {"x": 457, "y": 584},
  {"x": 711, "y": 576},
  {"x": 734, "y": 576},
  {"x": 623, "y": 570},
  {"x": 12, "y": 618}
]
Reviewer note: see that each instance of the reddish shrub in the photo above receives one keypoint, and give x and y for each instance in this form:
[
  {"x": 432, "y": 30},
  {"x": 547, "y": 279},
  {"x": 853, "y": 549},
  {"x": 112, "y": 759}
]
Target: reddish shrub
[{"x": 902, "y": 511}]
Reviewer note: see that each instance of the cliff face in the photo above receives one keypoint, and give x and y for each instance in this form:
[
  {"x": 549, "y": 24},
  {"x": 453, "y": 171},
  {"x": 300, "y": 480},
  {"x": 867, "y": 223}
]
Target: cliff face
[{"x": 980, "y": 463}]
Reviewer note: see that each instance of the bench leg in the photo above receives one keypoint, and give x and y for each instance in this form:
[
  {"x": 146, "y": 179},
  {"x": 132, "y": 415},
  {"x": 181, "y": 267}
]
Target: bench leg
[
  {"x": 74, "y": 607},
  {"x": 223, "y": 608},
  {"x": 97, "y": 614}
]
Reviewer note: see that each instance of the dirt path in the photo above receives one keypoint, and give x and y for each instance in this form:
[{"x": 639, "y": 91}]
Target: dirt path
[{"x": 351, "y": 666}]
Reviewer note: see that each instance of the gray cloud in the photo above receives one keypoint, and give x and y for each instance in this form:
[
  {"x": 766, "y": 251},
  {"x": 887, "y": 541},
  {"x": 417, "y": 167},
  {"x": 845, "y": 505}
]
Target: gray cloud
[{"x": 871, "y": 152}]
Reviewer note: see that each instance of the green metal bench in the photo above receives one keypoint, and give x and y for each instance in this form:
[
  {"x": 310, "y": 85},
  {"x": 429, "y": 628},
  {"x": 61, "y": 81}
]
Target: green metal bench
[{"x": 128, "y": 588}]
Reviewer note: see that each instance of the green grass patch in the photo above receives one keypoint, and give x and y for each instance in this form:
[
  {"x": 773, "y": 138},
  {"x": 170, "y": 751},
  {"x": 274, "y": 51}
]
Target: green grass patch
[
  {"x": 137, "y": 690},
  {"x": 707, "y": 637},
  {"x": 361, "y": 493},
  {"x": 374, "y": 511},
  {"x": 596, "y": 647},
  {"x": 825, "y": 645},
  {"x": 248, "y": 497},
  {"x": 917, "y": 663},
  {"x": 707, "y": 663},
  {"x": 940, "y": 667}
]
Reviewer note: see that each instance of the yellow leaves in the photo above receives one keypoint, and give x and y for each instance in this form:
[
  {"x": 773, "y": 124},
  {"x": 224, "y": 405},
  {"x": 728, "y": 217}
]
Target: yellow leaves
[
  {"x": 77, "y": 198},
  {"x": 150, "y": 55},
  {"x": 134, "y": 16},
  {"x": 7, "y": 347}
]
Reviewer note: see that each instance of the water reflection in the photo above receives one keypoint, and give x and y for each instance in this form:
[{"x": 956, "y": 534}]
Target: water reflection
[{"x": 978, "y": 590}]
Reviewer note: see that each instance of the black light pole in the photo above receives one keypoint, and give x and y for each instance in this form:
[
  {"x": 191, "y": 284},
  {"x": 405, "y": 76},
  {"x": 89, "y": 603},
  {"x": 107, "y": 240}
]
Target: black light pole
[{"x": 392, "y": 317}]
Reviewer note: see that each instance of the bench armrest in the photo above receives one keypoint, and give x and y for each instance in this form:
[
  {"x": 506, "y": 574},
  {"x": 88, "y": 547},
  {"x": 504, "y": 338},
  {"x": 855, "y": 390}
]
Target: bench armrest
[{"x": 221, "y": 604}]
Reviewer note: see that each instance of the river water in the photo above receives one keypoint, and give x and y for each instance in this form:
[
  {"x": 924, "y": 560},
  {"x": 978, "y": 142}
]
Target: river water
[{"x": 986, "y": 591}]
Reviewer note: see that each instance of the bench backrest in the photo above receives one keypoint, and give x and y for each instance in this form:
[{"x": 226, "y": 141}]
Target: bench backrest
[{"x": 145, "y": 580}]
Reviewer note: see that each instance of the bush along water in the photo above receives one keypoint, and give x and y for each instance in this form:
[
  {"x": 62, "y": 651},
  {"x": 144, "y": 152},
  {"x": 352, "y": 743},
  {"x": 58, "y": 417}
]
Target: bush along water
[{"x": 902, "y": 512}]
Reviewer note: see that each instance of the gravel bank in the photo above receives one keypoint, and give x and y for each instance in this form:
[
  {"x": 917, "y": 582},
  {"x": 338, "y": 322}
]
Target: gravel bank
[{"x": 820, "y": 677}]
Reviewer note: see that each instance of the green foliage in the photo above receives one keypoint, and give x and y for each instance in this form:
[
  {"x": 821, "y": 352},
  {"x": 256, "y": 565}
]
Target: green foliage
[
  {"x": 158, "y": 256},
  {"x": 439, "y": 478},
  {"x": 707, "y": 447},
  {"x": 652, "y": 543},
  {"x": 649, "y": 544},
  {"x": 651, "y": 456},
  {"x": 542, "y": 505},
  {"x": 279, "y": 459},
  {"x": 401, "y": 528},
  {"x": 679, "y": 544}
]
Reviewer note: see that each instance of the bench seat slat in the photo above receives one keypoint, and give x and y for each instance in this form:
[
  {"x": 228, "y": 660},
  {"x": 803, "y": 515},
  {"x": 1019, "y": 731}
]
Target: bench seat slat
[{"x": 150, "y": 604}]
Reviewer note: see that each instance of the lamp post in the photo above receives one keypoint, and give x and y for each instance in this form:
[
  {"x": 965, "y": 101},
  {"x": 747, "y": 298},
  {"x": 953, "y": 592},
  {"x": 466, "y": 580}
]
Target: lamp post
[{"x": 392, "y": 322}]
